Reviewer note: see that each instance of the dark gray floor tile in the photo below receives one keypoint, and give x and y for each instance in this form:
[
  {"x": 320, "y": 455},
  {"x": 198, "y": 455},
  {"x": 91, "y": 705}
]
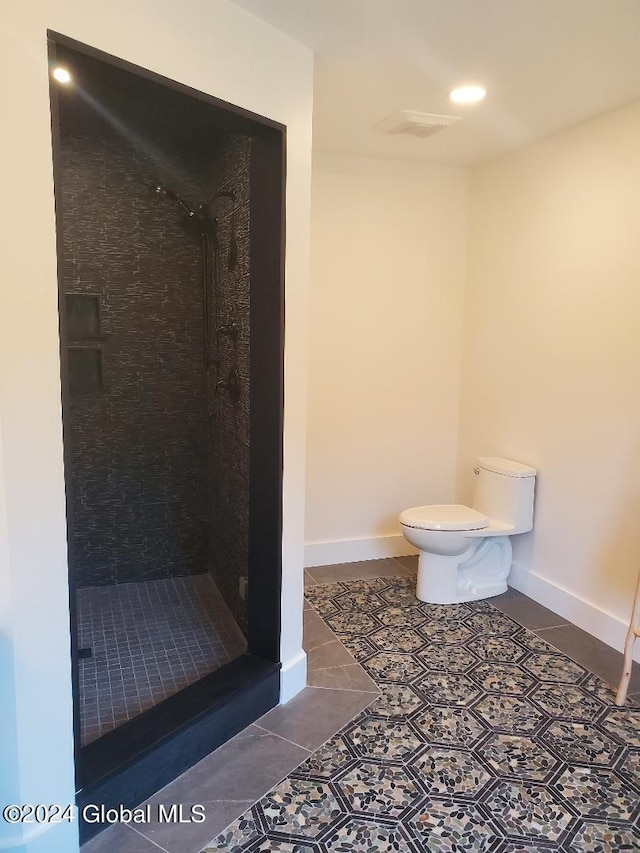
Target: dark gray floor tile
[
  {"x": 409, "y": 562},
  {"x": 350, "y": 677},
  {"x": 315, "y": 714},
  {"x": 191, "y": 838},
  {"x": 357, "y": 571},
  {"x": 526, "y": 611},
  {"x": 241, "y": 769},
  {"x": 120, "y": 839},
  {"x": 316, "y": 632},
  {"x": 328, "y": 654},
  {"x": 593, "y": 654}
]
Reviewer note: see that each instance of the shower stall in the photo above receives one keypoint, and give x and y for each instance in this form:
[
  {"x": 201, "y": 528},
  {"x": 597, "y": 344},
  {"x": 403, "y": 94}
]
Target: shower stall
[{"x": 169, "y": 209}]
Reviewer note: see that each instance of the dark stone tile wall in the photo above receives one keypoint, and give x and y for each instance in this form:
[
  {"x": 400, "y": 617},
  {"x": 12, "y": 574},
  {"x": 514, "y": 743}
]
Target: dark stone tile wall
[
  {"x": 158, "y": 465},
  {"x": 230, "y": 428}
]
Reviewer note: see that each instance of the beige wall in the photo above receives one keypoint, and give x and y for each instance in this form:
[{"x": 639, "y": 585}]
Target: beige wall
[
  {"x": 213, "y": 46},
  {"x": 388, "y": 276},
  {"x": 551, "y": 369}
]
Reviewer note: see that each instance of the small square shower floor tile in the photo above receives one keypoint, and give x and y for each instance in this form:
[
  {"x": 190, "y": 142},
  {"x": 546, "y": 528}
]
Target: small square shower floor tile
[{"x": 148, "y": 641}]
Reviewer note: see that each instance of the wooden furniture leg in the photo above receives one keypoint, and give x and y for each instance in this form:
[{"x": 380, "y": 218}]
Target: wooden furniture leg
[{"x": 632, "y": 634}]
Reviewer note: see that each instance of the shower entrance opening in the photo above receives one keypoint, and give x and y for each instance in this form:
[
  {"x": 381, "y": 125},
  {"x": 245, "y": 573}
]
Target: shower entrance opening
[{"x": 170, "y": 232}]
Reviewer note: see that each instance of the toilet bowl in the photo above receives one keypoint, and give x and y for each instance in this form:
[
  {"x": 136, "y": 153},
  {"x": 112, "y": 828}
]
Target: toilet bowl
[{"x": 465, "y": 552}]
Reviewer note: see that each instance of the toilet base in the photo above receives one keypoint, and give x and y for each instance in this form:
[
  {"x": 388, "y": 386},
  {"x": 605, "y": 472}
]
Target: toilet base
[{"x": 480, "y": 572}]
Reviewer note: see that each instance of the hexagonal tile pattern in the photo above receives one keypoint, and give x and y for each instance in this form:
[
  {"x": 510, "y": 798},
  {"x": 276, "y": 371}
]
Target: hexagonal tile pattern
[
  {"x": 624, "y": 724},
  {"x": 448, "y": 772},
  {"x": 396, "y": 700},
  {"x": 327, "y": 761},
  {"x": 506, "y": 678},
  {"x": 360, "y": 602},
  {"x": 445, "y": 826},
  {"x": 401, "y": 617},
  {"x": 515, "y": 755},
  {"x": 492, "y": 624},
  {"x": 580, "y": 743},
  {"x": 396, "y": 639},
  {"x": 483, "y": 737},
  {"x": 448, "y": 658},
  {"x": 383, "y": 738},
  {"x": 357, "y": 835},
  {"x": 597, "y": 793},
  {"x": 446, "y": 632},
  {"x": 444, "y": 688},
  {"x": 528, "y": 809},
  {"x": 450, "y": 726},
  {"x": 513, "y": 714},
  {"x": 446, "y": 612},
  {"x": 602, "y": 837},
  {"x": 400, "y": 596},
  {"x": 497, "y": 649},
  {"x": 390, "y": 666},
  {"x": 352, "y": 623},
  {"x": 379, "y": 789},
  {"x": 553, "y": 667},
  {"x": 299, "y": 807},
  {"x": 566, "y": 700}
]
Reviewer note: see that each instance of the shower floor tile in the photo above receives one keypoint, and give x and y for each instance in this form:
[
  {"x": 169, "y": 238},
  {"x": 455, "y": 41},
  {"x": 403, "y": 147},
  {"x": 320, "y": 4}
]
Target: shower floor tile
[{"x": 148, "y": 641}]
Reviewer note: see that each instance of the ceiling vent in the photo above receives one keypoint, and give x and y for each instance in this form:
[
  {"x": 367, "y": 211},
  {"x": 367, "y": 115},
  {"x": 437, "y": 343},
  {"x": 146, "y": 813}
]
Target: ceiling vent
[{"x": 416, "y": 124}]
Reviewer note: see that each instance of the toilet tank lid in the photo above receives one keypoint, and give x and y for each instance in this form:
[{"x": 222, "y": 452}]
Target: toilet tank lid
[
  {"x": 506, "y": 466},
  {"x": 444, "y": 517}
]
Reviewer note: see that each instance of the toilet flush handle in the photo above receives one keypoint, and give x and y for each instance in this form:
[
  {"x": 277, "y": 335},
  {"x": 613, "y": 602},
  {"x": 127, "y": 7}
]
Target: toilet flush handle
[{"x": 476, "y": 470}]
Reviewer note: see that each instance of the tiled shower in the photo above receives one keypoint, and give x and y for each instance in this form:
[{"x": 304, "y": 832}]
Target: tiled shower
[{"x": 156, "y": 418}]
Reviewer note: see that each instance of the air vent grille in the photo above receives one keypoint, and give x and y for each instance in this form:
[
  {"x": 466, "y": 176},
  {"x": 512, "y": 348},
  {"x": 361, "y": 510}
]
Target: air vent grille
[{"x": 416, "y": 124}]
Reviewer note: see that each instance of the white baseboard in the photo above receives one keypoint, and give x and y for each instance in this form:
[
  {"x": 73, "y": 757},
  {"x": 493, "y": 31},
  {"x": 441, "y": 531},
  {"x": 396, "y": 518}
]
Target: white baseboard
[
  {"x": 293, "y": 677},
  {"x": 585, "y": 614},
  {"x": 354, "y": 550}
]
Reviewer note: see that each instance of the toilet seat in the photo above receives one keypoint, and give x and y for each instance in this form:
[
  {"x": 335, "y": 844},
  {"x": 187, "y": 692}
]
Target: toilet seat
[{"x": 444, "y": 517}]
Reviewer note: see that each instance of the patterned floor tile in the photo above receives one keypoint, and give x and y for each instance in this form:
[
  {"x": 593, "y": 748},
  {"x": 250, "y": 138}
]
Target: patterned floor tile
[
  {"x": 298, "y": 807},
  {"x": 568, "y": 701},
  {"x": 449, "y": 826},
  {"x": 528, "y": 809},
  {"x": 396, "y": 700},
  {"x": 377, "y": 737},
  {"x": 624, "y": 724},
  {"x": 447, "y": 688},
  {"x": 513, "y": 714},
  {"x": 553, "y": 667},
  {"x": 325, "y": 763},
  {"x": 450, "y": 726},
  {"x": 396, "y": 639},
  {"x": 604, "y": 838},
  {"x": 598, "y": 793},
  {"x": 394, "y": 666},
  {"x": 448, "y": 658},
  {"x": 503, "y": 678},
  {"x": 357, "y": 835},
  {"x": 514, "y": 755},
  {"x": 581, "y": 743},
  {"x": 445, "y": 772},
  {"x": 483, "y": 738},
  {"x": 378, "y": 789}
]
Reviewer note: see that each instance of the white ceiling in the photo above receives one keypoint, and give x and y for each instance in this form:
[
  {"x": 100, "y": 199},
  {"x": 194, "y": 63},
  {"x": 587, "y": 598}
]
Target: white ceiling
[{"x": 546, "y": 64}]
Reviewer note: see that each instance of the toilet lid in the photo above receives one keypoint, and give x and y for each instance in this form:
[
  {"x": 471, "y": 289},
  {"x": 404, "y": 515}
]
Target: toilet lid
[{"x": 444, "y": 517}]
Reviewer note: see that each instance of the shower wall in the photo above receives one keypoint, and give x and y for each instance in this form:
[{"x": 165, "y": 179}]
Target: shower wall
[{"x": 158, "y": 461}]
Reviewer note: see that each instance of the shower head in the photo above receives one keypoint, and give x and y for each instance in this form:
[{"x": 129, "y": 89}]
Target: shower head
[{"x": 159, "y": 189}]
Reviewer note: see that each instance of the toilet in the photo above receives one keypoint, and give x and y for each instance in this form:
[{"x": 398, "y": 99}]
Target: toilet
[{"x": 465, "y": 552}]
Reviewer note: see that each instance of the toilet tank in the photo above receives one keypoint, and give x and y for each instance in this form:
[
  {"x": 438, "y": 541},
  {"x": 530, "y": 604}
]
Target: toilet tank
[{"x": 504, "y": 491}]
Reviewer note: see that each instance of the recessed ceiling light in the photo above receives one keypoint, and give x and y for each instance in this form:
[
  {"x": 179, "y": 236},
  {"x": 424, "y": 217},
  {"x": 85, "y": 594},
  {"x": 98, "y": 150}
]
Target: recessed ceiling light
[
  {"x": 61, "y": 75},
  {"x": 467, "y": 94}
]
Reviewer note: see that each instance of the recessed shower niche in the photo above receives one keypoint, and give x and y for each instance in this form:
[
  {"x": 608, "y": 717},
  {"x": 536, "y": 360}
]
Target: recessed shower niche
[{"x": 169, "y": 208}]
